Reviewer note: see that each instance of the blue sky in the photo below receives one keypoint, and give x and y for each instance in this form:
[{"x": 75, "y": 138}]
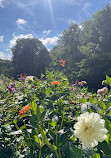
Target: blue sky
[{"x": 42, "y": 19}]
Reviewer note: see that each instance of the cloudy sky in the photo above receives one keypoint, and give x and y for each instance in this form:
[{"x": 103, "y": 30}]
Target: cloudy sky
[{"x": 42, "y": 19}]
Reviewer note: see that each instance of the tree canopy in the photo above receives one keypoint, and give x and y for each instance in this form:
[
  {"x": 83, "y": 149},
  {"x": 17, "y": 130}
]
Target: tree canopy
[
  {"x": 87, "y": 49},
  {"x": 30, "y": 56}
]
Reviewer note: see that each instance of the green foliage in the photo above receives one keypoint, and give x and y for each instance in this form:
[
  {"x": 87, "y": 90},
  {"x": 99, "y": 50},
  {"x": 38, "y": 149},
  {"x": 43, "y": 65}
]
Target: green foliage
[
  {"x": 30, "y": 56},
  {"x": 86, "y": 49},
  {"x": 6, "y": 67},
  {"x": 47, "y": 129}
]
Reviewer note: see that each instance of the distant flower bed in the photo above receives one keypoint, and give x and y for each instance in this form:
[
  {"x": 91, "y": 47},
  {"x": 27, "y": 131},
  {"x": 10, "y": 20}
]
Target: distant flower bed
[{"x": 52, "y": 118}]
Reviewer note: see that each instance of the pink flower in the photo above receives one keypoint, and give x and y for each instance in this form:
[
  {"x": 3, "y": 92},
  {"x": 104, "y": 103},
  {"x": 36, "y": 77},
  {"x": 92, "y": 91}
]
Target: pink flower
[
  {"x": 11, "y": 89},
  {"x": 22, "y": 78},
  {"x": 100, "y": 91},
  {"x": 105, "y": 89},
  {"x": 33, "y": 86},
  {"x": 74, "y": 89},
  {"x": 80, "y": 84},
  {"x": 12, "y": 85}
]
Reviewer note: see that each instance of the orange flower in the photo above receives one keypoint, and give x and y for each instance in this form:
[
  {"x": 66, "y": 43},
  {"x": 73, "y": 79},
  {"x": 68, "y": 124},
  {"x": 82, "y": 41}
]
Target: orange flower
[
  {"x": 24, "y": 110},
  {"x": 55, "y": 83},
  {"x": 62, "y": 62},
  {"x": 73, "y": 102}
]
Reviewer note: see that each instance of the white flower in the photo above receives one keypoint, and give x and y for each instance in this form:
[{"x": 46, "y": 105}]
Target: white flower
[
  {"x": 100, "y": 91},
  {"x": 28, "y": 79},
  {"x": 90, "y": 129}
]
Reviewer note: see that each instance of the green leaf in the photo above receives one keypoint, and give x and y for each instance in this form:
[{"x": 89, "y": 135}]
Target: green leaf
[
  {"x": 38, "y": 141},
  {"x": 53, "y": 123},
  {"x": 48, "y": 91},
  {"x": 34, "y": 106},
  {"x": 93, "y": 107},
  {"x": 108, "y": 117},
  {"x": 108, "y": 110},
  {"x": 98, "y": 155},
  {"x": 108, "y": 80},
  {"x": 51, "y": 147},
  {"x": 15, "y": 121},
  {"x": 74, "y": 151}
]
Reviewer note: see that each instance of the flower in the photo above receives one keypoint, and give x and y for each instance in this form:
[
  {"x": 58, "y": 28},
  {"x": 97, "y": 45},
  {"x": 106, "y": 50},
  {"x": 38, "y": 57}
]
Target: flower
[
  {"x": 23, "y": 74},
  {"x": 102, "y": 91},
  {"x": 80, "y": 83},
  {"x": 55, "y": 83},
  {"x": 73, "y": 102},
  {"x": 74, "y": 89},
  {"x": 22, "y": 78},
  {"x": 24, "y": 110},
  {"x": 90, "y": 129},
  {"x": 12, "y": 85},
  {"x": 105, "y": 89},
  {"x": 62, "y": 62},
  {"x": 84, "y": 82},
  {"x": 33, "y": 86},
  {"x": 11, "y": 89},
  {"x": 28, "y": 79}
]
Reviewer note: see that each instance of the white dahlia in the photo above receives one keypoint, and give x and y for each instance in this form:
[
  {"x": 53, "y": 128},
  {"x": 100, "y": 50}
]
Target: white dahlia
[
  {"x": 90, "y": 129},
  {"x": 28, "y": 79}
]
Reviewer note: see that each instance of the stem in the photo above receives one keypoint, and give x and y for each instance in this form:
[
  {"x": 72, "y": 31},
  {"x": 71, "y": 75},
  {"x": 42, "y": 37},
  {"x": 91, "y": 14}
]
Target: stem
[
  {"x": 40, "y": 153},
  {"x": 93, "y": 153},
  {"x": 62, "y": 121},
  {"x": 56, "y": 135},
  {"x": 11, "y": 147},
  {"x": 30, "y": 140}
]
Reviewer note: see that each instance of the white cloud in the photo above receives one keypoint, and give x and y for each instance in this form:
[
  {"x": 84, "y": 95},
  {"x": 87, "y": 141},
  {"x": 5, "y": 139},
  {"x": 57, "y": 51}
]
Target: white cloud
[
  {"x": 49, "y": 49},
  {"x": 1, "y": 38},
  {"x": 1, "y": 3},
  {"x": 87, "y": 5},
  {"x": 47, "y": 32},
  {"x": 70, "y": 21},
  {"x": 49, "y": 41},
  {"x": 20, "y": 23},
  {"x": 13, "y": 41},
  {"x": 6, "y": 56},
  {"x": 72, "y": 2}
]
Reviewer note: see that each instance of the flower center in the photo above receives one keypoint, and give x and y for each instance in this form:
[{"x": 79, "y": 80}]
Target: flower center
[{"x": 86, "y": 128}]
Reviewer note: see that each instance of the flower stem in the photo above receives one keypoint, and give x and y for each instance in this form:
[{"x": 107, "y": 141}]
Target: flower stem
[{"x": 94, "y": 156}]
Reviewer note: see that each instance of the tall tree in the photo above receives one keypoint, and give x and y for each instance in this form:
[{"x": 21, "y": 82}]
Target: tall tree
[
  {"x": 30, "y": 56},
  {"x": 67, "y": 49},
  {"x": 95, "y": 41}
]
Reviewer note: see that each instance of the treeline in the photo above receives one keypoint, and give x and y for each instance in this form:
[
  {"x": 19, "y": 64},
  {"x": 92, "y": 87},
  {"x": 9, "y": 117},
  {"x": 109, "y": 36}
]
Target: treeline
[
  {"x": 6, "y": 67},
  {"x": 85, "y": 48}
]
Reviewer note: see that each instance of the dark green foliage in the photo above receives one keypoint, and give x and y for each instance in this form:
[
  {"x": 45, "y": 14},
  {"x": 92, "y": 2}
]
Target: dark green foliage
[
  {"x": 86, "y": 49},
  {"x": 30, "y": 56},
  {"x": 6, "y": 67},
  {"x": 68, "y": 50}
]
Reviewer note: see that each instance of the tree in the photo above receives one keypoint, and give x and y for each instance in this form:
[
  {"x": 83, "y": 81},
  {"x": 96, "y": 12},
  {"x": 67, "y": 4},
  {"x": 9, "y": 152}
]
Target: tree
[
  {"x": 95, "y": 40},
  {"x": 30, "y": 56},
  {"x": 67, "y": 49}
]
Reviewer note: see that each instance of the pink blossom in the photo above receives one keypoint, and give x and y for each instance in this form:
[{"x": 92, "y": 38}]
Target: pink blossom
[
  {"x": 105, "y": 89},
  {"x": 100, "y": 91},
  {"x": 22, "y": 78},
  {"x": 74, "y": 89},
  {"x": 11, "y": 89},
  {"x": 80, "y": 84},
  {"x": 12, "y": 85},
  {"x": 33, "y": 86}
]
